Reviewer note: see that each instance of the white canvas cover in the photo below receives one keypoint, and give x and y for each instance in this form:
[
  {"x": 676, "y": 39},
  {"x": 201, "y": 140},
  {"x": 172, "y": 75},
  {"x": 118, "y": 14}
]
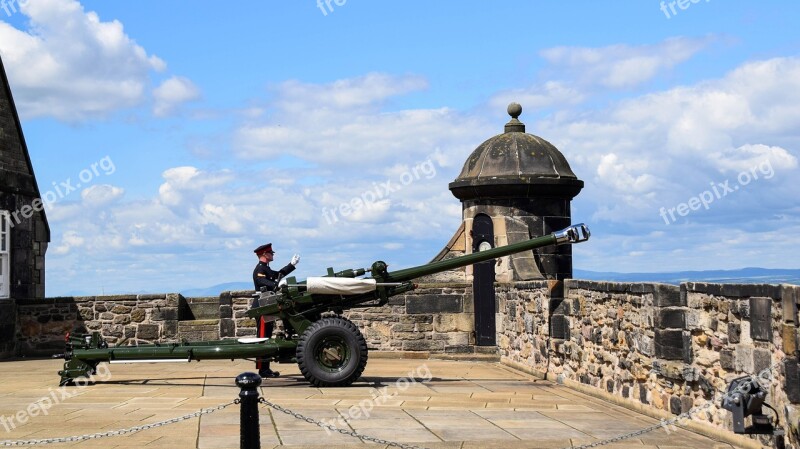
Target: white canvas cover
[{"x": 339, "y": 286}]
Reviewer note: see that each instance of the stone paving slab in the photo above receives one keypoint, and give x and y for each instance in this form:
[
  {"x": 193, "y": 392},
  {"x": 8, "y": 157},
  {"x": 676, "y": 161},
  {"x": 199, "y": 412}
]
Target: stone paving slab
[{"x": 464, "y": 405}]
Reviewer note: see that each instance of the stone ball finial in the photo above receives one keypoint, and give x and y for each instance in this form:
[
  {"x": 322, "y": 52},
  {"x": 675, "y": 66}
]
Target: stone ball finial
[{"x": 514, "y": 125}]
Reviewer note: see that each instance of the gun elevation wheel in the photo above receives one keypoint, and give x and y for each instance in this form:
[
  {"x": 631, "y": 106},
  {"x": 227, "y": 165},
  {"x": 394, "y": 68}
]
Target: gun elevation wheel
[{"x": 332, "y": 353}]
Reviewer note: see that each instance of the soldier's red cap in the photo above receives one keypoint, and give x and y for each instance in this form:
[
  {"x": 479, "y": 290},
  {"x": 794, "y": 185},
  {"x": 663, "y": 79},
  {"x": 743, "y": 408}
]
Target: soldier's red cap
[{"x": 264, "y": 249}]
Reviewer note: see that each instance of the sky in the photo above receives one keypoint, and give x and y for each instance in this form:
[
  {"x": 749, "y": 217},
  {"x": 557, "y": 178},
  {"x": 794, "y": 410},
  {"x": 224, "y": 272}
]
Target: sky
[{"x": 170, "y": 139}]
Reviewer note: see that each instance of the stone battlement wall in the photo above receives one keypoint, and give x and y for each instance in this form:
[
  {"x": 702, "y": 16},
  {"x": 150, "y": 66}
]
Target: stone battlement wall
[
  {"x": 668, "y": 347},
  {"x": 120, "y": 319},
  {"x": 435, "y": 318}
]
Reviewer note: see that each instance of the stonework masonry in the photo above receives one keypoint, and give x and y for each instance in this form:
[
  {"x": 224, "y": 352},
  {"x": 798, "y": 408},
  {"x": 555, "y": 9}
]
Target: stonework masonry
[
  {"x": 120, "y": 319},
  {"x": 668, "y": 347},
  {"x": 663, "y": 347},
  {"x": 29, "y": 232}
]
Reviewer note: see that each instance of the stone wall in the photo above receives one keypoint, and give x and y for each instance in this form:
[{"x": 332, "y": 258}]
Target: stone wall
[
  {"x": 435, "y": 318},
  {"x": 121, "y": 320},
  {"x": 523, "y": 328},
  {"x": 660, "y": 346},
  {"x": 232, "y": 308},
  {"x": 668, "y": 347}
]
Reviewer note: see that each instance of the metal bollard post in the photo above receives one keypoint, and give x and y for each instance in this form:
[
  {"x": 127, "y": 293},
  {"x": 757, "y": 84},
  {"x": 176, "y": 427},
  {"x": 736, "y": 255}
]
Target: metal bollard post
[{"x": 250, "y": 437}]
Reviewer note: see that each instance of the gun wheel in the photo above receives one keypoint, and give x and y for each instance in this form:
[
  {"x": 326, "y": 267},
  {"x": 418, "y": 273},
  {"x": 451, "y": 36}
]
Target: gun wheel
[{"x": 332, "y": 353}]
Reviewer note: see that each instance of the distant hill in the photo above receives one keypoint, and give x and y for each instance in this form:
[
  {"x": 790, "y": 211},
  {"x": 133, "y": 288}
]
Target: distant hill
[
  {"x": 740, "y": 276},
  {"x": 215, "y": 290}
]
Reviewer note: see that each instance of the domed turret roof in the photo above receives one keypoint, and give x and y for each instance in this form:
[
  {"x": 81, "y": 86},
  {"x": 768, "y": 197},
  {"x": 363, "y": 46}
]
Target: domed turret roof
[{"x": 516, "y": 164}]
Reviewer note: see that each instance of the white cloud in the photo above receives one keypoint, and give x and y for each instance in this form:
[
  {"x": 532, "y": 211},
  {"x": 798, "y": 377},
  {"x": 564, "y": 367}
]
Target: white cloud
[
  {"x": 747, "y": 157},
  {"x": 347, "y": 94},
  {"x": 101, "y": 194},
  {"x": 172, "y": 93},
  {"x": 661, "y": 149},
  {"x": 342, "y": 124},
  {"x": 101, "y": 69},
  {"x": 549, "y": 94},
  {"x": 628, "y": 177},
  {"x": 580, "y": 72},
  {"x": 213, "y": 220},
  {"x": 649, "y": 151},
  {"x": 623, "y": 66},
  {"x": 69, "y": 241},
  {"x": 185, "y": 182}
]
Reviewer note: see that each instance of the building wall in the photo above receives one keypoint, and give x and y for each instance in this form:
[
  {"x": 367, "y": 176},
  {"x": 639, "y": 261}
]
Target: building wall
[
  {"x": 29, "y": 234},
  {"x": 517, "y": 220}
]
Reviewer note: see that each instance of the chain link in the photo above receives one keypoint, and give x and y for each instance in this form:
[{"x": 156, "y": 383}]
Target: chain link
[
  {"x": 112, "y": 433},
  {"x": 665, "y": 423},
  {"x": 352, "y": 433},
  {"x": 332, "y": 428},
  {"x": 642, "y": 431}
]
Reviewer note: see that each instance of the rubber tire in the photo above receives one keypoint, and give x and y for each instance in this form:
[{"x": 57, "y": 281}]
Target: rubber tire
[{"x": 338, "y": 330}]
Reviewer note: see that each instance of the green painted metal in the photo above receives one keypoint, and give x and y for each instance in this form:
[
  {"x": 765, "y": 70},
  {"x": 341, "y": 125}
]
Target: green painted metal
[
  {"x": 298, "y": 309},
  {"x": 560, "y": 237}
]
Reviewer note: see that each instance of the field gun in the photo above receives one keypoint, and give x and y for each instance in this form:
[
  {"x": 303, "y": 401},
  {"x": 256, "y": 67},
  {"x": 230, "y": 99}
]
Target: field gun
[{"x": 328, "y": 348}]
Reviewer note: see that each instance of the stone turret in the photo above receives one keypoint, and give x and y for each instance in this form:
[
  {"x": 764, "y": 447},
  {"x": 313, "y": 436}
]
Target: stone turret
[{"x": 525, "y": 185}]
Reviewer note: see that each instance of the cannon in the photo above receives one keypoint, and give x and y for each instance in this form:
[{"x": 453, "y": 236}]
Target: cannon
[{"x": 328, "y": 348}]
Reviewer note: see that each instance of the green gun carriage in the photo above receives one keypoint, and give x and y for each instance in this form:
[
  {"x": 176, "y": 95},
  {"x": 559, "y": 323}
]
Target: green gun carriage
[{"x": 328, "y": 348}]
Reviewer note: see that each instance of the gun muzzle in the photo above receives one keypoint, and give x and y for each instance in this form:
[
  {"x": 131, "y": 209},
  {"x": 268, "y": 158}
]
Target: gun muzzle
[{"x": 573, "y": 234}]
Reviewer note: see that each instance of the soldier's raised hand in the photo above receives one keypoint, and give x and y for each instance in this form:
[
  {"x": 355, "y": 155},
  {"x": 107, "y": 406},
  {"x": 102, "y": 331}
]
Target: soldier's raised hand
[{"x": 295, "y": 259}]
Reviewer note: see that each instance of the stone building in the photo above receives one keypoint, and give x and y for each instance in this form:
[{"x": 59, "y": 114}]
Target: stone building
[
  {"x": 24, "y": 232},
  {"x": 515, "y": 186}
]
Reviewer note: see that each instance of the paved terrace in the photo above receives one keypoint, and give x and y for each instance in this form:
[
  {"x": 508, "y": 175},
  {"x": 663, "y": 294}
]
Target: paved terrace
[{"x": 464, "y": 405}]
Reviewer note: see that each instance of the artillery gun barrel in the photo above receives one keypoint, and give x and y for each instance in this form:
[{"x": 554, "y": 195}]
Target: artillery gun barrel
[
  {"x": 330, "y": 351},
  {"x": 573, "y": 234}
]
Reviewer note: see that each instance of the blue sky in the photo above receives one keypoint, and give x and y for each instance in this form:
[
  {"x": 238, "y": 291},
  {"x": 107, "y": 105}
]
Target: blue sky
[{"x": 214, "y": 127}]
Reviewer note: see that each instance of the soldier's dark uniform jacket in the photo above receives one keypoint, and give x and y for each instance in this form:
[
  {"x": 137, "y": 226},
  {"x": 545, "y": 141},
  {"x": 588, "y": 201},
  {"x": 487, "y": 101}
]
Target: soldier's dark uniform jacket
[{"x": 266, "y": 279}]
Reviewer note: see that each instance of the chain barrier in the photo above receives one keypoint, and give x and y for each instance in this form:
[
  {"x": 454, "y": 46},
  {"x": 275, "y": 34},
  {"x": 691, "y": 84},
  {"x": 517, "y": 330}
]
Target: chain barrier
[
  {"x": 112, "y": 433},
  {"x": 665, "y": 423},
  {"x": 332, "y": 428},
  {"x": 662, "y": 424}
]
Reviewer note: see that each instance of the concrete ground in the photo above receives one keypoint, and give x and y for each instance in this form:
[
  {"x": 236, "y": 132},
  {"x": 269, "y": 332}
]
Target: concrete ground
[{"x": 463, "y": 405}]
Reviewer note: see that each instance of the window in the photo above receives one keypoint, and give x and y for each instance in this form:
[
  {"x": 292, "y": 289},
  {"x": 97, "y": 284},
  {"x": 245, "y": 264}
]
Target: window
[{"x": 5, "y": 247}]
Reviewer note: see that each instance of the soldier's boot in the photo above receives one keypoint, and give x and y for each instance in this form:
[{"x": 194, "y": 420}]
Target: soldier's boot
[{"x": 264, "y": 371}]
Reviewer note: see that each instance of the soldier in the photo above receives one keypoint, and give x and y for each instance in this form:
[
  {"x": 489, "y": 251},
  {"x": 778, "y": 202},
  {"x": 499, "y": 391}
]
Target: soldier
[{"x": 266, "y": 279}]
